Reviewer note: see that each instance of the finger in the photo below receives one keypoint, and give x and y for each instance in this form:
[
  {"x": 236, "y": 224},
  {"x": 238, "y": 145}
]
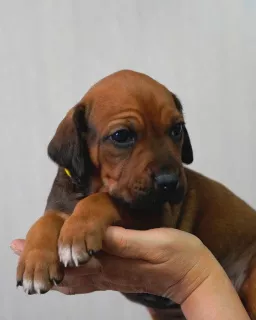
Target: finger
[
  {"x": 75, "y": 282},
  {"x": 93, "y": 266},
  {"x": 115, "y": 271},
  {"x": 17, "y": 246},
  {"x": 75, "y": 290},
  {"x": 146, "y": 245},
  {"x": 101, "y": 286}
]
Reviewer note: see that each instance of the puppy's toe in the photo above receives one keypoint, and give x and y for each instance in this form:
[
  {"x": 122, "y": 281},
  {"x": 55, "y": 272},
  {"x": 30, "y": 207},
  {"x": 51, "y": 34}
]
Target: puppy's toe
[
  {"x": 73, "y": 255},
  {"x": 42, "y": 282},
  {"x": 28, "y": 286},
  {"x": 28, "y": 279},
  {"x": 56, "y": 273},
  {"x": 79, "y": 251},
  {"x": 65, "y": 254},
  {"x": 38, "y": 271},
  {"x": 19, "y": 273},
  {"x": 25, "y": 275},
  {"x": 78, "y": 240},
  {"x": 94, "y": 241}
]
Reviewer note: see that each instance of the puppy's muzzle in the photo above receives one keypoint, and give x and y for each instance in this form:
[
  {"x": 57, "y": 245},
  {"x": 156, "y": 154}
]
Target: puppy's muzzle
[{"x": 169, "y": 188}]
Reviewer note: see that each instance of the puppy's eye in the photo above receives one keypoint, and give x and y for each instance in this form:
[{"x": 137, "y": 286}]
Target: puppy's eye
[
  {"x": 176, "y": 131},
  {"x": 123, "y": 138}
]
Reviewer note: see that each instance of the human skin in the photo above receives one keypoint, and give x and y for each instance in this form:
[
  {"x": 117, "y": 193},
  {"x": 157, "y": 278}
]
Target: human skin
[{"x": 165, "y": 262}]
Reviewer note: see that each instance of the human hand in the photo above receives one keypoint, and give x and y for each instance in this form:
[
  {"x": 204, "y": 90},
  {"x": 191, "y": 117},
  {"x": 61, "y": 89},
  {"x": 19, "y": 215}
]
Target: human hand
[{"x": 165, "y": 262}]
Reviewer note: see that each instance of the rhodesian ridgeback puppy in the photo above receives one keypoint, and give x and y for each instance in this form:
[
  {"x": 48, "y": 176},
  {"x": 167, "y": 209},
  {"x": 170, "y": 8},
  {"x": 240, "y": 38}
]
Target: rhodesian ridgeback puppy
[{"x": 121, "y": 154}]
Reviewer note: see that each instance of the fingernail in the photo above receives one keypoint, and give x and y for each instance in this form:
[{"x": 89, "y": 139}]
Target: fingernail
[
  {"x": 12, "y": 245},
  {"x": 14, "y": 248}
]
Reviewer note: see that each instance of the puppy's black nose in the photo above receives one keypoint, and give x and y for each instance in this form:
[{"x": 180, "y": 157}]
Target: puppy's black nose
[{"x": 167, "y": 182}]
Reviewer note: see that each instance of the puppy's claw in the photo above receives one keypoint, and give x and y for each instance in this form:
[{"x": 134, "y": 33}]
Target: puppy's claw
[
  {"x": 29, "y": 292},
  {"x": 43, "y": 292},
  {"x": 56, "y": 282},
  {"x": 76, "y": 262},
  {"x": 19, "y": 283},
  {"x": 38, "y": 292},
  {"x": 65, "y": 255},
  {"x": 91, "y": 252}
]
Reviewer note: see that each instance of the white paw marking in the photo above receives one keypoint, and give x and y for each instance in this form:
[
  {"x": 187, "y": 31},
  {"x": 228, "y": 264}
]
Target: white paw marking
[
  {"x": 72, "y": 256},
  {"x": 30, "y": 286},
  {"x": 39, "y": 286},
  {"x": 65, "y": 255},
  {"x": 27, "y": 285},
  {"x": 79, "y": 256}
]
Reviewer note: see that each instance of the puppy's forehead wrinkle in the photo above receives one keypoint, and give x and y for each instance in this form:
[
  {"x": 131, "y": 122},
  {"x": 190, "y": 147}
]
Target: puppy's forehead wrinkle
[
  {"x": 149, "y": 116},
  {"x": 116, "y": 116},
  {"x": 130, "y": 96}
]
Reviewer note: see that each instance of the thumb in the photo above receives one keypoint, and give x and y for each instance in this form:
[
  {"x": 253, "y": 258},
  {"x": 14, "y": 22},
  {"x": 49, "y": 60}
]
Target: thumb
[
  {"x": 134, "y": 244},
  {"x": 17, "y": 246}
]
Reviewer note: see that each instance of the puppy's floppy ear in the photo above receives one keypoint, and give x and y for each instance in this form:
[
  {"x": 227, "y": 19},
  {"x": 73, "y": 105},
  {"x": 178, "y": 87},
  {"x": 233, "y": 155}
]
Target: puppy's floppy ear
[
  {"x": 68, "y": 148},
  {"x": 187, "y": 151}
]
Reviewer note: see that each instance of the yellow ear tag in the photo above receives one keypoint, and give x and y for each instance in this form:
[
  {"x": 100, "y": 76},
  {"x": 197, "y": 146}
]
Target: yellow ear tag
[{"x": 68, "y": 172}]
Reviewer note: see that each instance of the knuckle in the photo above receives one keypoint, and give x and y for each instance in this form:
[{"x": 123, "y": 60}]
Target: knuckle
[{"x": 123, "y": 245}]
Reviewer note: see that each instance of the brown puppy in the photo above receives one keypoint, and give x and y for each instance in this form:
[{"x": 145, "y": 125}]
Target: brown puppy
[{"x": 120, "y": 154}]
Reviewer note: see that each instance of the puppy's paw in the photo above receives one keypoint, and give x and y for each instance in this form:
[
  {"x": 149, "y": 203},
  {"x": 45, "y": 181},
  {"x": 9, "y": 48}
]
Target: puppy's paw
[
  {"x": 79, "y": 240},
  {"x": 38, "y": 270}
]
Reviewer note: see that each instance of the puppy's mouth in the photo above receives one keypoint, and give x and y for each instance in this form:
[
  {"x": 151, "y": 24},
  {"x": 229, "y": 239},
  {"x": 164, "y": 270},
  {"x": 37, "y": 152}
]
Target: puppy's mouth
[
  {"x": 153, "y": 198},
  {"x": 152, "y": 195}
]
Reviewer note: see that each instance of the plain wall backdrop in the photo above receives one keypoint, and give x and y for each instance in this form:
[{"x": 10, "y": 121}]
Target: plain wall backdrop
[{"x": 51, "y": 52}]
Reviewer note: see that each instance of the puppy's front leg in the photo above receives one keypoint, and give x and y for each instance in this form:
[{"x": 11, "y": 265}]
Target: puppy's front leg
[
  {"x": 83, "y": 232},
  {"x": 39, "y": 267}
]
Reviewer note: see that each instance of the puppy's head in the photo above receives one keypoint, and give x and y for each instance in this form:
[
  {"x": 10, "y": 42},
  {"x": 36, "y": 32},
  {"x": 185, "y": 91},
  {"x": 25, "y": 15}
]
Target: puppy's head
[{"x": 128, "y": 133}]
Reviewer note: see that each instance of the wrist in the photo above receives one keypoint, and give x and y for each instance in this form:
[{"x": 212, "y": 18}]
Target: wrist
[
  {"x": 214, "y": 298},
  {"x": 203, "y": 267}
]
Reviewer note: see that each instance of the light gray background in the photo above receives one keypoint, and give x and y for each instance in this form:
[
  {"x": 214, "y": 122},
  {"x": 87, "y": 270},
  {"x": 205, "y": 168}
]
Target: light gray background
[{"x": 52, "y": 51}]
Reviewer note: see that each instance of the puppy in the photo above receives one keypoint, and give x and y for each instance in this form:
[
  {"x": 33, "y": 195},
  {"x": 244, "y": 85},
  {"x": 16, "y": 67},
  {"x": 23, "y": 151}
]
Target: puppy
[{"x": 121, "y": 153}]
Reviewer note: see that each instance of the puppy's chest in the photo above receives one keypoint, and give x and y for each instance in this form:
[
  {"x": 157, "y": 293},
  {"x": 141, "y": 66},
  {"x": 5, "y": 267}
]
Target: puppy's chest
[{"x": 144, "y": 219}]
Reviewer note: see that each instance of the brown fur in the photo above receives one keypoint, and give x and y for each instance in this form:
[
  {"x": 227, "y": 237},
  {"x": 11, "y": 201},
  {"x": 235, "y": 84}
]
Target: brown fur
[{"x": 107, "y": 181}]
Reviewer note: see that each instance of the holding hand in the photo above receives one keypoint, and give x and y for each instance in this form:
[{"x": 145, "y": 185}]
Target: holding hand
[{"x": 164, "y": 262}]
